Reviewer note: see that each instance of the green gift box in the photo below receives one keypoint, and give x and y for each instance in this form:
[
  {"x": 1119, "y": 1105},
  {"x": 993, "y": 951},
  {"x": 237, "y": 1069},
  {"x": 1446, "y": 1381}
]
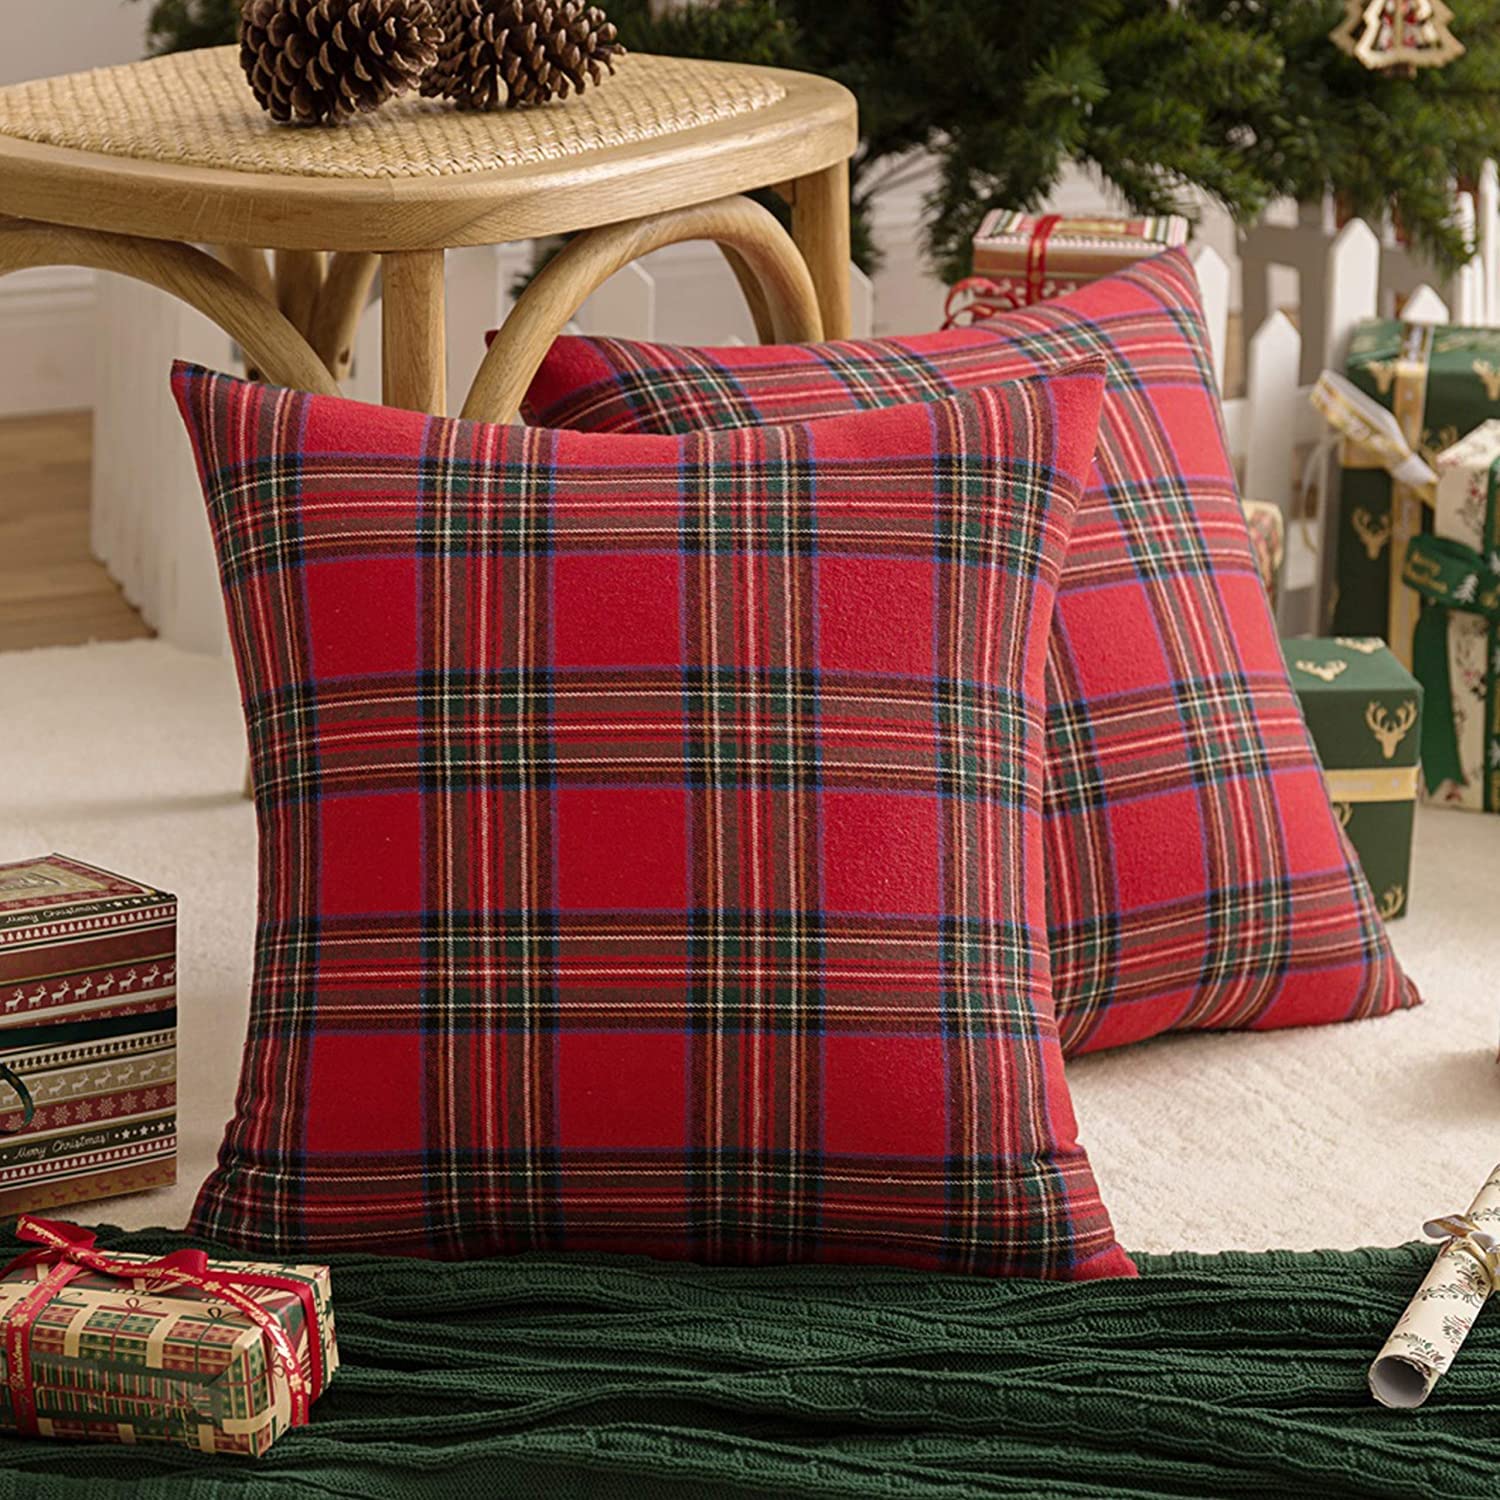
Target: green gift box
[
  {"x": 1440, "y": 382},
  {"x": 1364, "y": 710}
]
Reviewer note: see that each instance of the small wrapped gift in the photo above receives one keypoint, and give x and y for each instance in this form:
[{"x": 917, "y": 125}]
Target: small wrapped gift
[
  {"x": 88, "y": 1034},
  {"x": 218, "y": 1356},
  {"x": 1023, "y": 258},
  {"x": 1364, "y": 712},
  {"x": 1267, "y": 528},
  {"x": 1455, "y": 571},
  {"x": 1438, "y": 382}
]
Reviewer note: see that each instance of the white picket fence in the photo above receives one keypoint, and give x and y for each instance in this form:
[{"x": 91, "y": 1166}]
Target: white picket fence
[
  {"x": 149, "y": 526},
  {"x": 1472, "y": 294}
]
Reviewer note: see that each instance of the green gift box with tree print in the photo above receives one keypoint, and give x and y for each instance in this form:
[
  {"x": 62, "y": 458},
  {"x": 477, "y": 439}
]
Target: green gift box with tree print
[
  {"x": 1364, "y": 711},
  {"x": 1440, "y": 382}
]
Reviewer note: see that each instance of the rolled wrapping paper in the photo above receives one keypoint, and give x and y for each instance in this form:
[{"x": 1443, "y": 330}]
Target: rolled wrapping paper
[{"x": 1438, "y": 1319}]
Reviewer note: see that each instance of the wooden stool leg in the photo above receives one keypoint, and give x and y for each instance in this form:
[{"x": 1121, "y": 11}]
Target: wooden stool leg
[
  {"x": 820, "y": 226},
  {"x": 415, "y": 354}
]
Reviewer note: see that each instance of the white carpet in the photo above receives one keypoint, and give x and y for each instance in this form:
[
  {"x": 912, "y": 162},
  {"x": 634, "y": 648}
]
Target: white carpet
[{"x": 130, "y": 756}]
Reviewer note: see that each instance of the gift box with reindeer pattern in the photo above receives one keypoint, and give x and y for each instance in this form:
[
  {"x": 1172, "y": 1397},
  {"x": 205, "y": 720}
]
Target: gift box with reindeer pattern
[
  {"x": 88, "y": 1032},
  {"x": 1440, "y": 381},
  {"x": 1364, "y": 710}
]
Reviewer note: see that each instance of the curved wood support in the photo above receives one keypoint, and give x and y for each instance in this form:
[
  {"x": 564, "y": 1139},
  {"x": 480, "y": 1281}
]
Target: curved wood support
[
  {"x": 271, "y": 342},
  {"x": 299, "y": 280},
  {"x": 588, "y": 261},
  {"x": 750, "y": 289},
  {"x": 251, "y": 267},
  {"x": 341, "y": 304}
]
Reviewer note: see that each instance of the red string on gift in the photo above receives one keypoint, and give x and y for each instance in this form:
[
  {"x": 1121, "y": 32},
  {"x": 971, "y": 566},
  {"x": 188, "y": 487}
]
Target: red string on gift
[
  {"x": 976, "y": 298},
  {"x": 986, "y": 298},
  {"x": 1036, "y": 256},
  {"x": 69, "y": 1251}
]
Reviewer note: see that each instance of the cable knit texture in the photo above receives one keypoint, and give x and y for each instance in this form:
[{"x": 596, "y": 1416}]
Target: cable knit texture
[{"x": 591, "y": 1376}]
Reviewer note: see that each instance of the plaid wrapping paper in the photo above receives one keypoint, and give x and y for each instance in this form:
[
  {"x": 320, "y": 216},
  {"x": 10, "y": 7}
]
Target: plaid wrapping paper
[
  {"x": 1196, "y": 874},
  {"x": 1021, "y": 258},
  {"x": 650, "y": 834},
  {"x": 135, "y": 1361},
  {"x": 1266, "y": 527}
]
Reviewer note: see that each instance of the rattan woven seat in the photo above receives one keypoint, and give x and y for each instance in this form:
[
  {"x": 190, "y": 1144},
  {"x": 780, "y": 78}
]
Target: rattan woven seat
[
  {"x": 134, "y": 168},
  {"x": 192, "y": 109}
]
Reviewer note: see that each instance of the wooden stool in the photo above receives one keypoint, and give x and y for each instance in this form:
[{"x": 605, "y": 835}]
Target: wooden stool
[{"x": 131, "y": 169}]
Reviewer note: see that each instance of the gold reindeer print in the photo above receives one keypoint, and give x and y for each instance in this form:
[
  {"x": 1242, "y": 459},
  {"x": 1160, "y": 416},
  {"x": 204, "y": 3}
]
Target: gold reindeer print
[
  {"x": 1374, "y": 534},
  {"x": 1392, "y": 901},
  {"x": 1390, "y": 731},
  {"x": 1489, "y": 376},
  {"x": 1384, "y": 371},
  {"x": 1366, "y": 645},
  {"x": 1343, "y": 811},
  {"x": 1421, "y": 569},
  {"x": 1325, "y": 670}
]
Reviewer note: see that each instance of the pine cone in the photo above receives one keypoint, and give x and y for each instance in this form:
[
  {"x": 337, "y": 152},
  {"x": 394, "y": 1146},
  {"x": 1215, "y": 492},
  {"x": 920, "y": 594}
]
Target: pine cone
[
  {"x": 511, "y": 53},
  {"x": 320, "y": 61}
]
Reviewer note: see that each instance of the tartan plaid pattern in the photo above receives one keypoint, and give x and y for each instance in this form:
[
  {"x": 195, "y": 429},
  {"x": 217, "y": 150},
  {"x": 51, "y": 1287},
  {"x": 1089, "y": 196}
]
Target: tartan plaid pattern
[
  {"x": 650, "y": 834},
  {"x": 1196, "y": 875}
]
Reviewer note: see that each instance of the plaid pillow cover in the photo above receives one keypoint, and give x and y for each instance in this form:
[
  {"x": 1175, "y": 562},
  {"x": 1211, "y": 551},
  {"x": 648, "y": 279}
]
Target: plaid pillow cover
[
  {"x": 1197, "y": 877},
  {"x": 650, "y": 834}
]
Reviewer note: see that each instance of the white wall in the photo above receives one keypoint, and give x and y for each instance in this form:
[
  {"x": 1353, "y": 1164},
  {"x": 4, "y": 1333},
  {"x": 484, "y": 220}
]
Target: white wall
[
  {"x": 45, "y": 37},
  {"x": 47, "y": 317}
]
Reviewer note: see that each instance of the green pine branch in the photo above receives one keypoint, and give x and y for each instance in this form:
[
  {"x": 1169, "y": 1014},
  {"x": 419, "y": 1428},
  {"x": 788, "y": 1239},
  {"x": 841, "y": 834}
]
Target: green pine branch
[{"x": 182, "y": 25}]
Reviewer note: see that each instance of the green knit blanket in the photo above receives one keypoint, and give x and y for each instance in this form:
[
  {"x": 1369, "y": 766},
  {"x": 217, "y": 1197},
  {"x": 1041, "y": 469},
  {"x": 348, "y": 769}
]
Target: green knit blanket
[{"x": 588, "y": 1376}]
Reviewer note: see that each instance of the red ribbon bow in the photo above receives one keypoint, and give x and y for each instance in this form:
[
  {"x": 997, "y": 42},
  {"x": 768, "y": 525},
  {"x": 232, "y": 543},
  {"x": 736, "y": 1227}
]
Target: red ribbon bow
[
  {"x": 69, "y": 1251},
  {"x": 987, "y": 298}
]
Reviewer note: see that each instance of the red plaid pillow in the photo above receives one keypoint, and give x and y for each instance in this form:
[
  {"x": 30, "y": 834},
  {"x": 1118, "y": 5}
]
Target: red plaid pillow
[
  {"x": 650, "y": 834},
  {"x": 1196, "y": 874}
]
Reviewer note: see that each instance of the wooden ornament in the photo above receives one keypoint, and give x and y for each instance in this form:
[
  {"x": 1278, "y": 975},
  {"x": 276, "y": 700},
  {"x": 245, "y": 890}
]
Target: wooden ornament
[{"x": 1397, "y": 35}]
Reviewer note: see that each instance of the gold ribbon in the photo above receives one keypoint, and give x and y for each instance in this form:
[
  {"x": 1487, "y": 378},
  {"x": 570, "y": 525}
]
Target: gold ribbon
[
  {"x": 1380, "y": 784},
  {"x": 1466, "y": 1237},
  {"x": 1407, "y": 498},
  {"x": 1373, "y": 438}
]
